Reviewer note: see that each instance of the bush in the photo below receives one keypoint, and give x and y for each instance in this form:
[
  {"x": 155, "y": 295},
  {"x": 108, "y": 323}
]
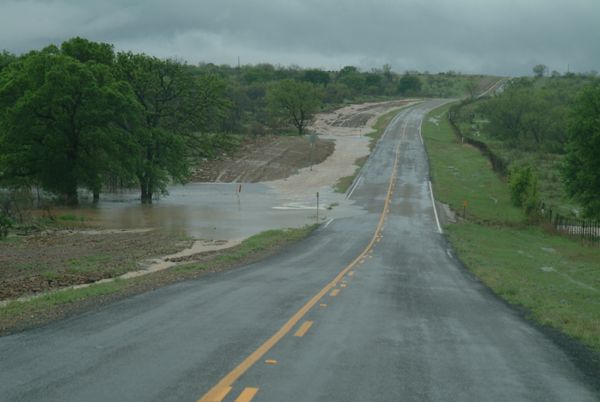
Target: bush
[
  {"x": 5, "y": 224},
  {"x": 522, "y": 182}
]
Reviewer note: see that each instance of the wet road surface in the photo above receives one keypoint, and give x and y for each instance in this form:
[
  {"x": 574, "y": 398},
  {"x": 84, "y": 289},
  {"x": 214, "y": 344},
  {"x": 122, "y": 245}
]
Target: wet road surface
[{"x": 369, "y": 308}]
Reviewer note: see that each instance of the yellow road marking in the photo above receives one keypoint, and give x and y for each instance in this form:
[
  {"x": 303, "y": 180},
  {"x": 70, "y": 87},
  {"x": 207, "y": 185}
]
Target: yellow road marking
[
  {"x": 304, "y": 328},
  {"x": 323, "y": 305},
  {"x": 219, "y": 396},
  {"x": 343, "y": 285},
  {"x": 351, "y": 273},
  {"x": 271, "y": 361},
  {"x": 241, "y": 368},
  {"x": 247, "y": 395},
  {"x": 334, "y": 292}
]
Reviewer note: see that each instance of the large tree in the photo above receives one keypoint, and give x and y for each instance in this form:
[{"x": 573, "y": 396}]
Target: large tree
[
  {"x": 582, "y": 163},
  {"x": 317, "y": 77},
  {"x": 409, "y": 85},
  {"x": 294, "y": 102},
  {"x": 61, "y": 122},
  {"x": 540, "y": 70},
  {"x": 6, "y": 58},
  {"x": 174, "y": 106}
]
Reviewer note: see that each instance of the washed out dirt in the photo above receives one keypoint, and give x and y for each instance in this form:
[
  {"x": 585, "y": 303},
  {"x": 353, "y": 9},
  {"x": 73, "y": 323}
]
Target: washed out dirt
[
  {"x": 264, "y": 158},
  {"x": 347, "y": 128},
  {"x": 44, "y": 262},
  {"x": 57, "y": 259}
]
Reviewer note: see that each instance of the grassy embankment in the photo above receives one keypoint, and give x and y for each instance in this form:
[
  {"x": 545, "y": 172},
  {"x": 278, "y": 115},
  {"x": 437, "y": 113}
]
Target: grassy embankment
[
  {"x": 18, "y": 315},
  {"x": 555, "y": 278},
  {"x": 546, "y": 165},
  {"x": 345, "y": 182}
]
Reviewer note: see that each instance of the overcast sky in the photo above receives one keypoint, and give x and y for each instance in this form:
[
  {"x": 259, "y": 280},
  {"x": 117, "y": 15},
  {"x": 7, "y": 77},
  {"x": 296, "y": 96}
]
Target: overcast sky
[{"x": 505, "y": 37}]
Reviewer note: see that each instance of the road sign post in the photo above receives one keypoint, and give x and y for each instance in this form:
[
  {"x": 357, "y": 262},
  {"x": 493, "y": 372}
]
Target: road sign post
[
  {"x": 312, "y": 139},
  {"x": 317, "y": 207}
]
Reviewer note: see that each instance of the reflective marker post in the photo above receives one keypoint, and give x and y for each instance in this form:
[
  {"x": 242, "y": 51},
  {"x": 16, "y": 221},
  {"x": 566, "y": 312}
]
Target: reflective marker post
[
  {"x": 312, "y": 139},
  {"x": 317, "y": 207}
]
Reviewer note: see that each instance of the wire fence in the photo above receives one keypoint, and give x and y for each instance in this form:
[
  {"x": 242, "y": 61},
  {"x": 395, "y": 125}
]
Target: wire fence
[{"x": 588, "y": 230}]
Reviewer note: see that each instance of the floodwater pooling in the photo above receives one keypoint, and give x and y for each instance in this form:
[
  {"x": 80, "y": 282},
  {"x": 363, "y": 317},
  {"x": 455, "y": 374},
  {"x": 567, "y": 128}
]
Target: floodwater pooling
[{"x": 227, "y": 211}]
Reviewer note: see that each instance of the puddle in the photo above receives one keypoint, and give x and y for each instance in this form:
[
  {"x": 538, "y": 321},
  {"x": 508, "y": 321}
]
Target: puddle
[
  {"x": 213, "y": 210},
  {"x": 547, "y": 269}
]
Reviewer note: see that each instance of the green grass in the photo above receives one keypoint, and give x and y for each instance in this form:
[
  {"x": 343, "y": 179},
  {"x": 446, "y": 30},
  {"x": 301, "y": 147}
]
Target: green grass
[
  {"x": 553, "y": 277},
  {"x": 55, "y": 299},
  {"x": 18, "y": 313},
  {"x": 381, "y": 124},
  {"x": 343, "y": 183},
  {"x": 453, "y": 86},
  {"x": 71, "y": 218},
  {"x": 270, "y": 239},
  {"x": 460, "y": 173},
  {"x": 546, "y": 165},
  {"x": 11, "y": 240}
]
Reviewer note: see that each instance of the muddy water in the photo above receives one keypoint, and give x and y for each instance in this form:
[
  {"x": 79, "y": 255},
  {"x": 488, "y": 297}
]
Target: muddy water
[{"x": 213, "y": 211}]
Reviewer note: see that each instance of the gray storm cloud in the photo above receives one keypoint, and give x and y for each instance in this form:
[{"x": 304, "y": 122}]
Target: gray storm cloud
[{"x": 488, "y": 36}]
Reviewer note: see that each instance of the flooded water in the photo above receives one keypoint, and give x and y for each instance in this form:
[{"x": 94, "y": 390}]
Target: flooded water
[{"x": 214, "y": 210}]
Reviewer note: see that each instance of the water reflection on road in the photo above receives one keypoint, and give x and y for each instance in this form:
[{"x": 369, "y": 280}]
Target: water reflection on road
[{"x": 215, "y": 210}]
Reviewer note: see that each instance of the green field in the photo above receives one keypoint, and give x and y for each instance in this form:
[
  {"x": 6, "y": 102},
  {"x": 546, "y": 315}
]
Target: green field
[
  {"x": 461, "y": 173},
  {"x": 555, "y": 278},
  {"x": 546, "y": 165}
]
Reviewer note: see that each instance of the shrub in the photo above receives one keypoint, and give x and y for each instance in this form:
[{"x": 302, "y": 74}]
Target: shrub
[
  {"x": 5, "y": 224},
  {"x": 522, "y": 182}
]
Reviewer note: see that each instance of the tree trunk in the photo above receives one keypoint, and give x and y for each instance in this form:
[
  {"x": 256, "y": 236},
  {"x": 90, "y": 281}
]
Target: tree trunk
[
  {"x": 96, "y": 193},
  {"x": 71, "y": 197},
  {"x": 146, "y": 190}
]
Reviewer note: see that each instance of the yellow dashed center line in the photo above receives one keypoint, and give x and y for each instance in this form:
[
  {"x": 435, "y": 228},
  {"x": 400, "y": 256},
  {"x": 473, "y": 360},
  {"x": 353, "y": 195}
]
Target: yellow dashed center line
[
  {"x": 219, "y": 396},
  {"x": 271, "y": 361},
  {"x": 255, "y": 356},
  {"x": 247, "y": 395},
  {"x": 304, "y": 328}
]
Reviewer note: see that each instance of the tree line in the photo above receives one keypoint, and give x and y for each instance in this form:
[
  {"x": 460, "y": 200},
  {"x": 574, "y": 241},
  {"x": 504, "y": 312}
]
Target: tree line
[
  {"x": 75, "y": 115},
  {"x": 557, "y": 115},
  {"x": 80, "y": 115}
]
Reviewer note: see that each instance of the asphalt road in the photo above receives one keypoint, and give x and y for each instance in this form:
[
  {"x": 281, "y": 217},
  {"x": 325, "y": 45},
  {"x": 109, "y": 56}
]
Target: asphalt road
[{"x": 368, "y": 308}]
